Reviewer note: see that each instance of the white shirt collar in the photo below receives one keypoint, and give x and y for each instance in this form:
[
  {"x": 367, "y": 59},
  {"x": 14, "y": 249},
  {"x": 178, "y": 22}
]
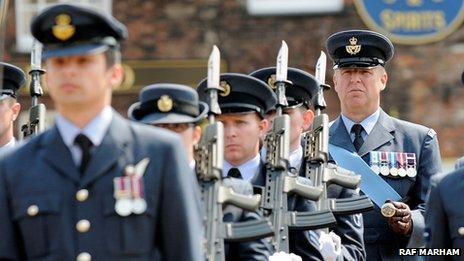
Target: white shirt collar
[
  {"x": 10, "y": 144},
  {"x": 95, "y": 130},
  {"x": 296, "y": 157},
  {"x": 192, "y": 165},
  {"x": 248, "y": 169},
  {"x": 368, "y": 123}
]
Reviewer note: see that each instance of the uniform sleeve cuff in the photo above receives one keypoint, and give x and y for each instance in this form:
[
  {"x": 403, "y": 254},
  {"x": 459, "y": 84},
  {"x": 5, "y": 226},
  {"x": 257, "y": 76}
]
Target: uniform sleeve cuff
[{"x": 416, "y": 238}]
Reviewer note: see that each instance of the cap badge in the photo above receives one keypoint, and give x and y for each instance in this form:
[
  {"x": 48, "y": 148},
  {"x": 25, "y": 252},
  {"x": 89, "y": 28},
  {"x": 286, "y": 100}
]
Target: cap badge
[
  {"x": 271, "y": 81},
  {"x": 353, "y": 48},
  {"x": 225, "y": 88},
  {"x": 63, "y": 30},
  {"x": 164, "y": 103}
]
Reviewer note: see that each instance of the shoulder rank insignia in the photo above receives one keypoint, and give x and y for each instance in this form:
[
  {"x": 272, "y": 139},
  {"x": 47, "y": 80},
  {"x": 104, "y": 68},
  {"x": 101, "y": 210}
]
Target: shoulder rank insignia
[
  {"x": 353, "y": 48},
  {"x": 63, "y": 30}
]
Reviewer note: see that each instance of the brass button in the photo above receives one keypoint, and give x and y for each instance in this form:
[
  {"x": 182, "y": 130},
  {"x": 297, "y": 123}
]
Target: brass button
[
  {"x": 83, "y": 225},
  {"x": 461, "y": 231},
  {"x": 84, "y": 256},
  {"x": 82, "y": 195},
  {"x": 32, "y": 210}
]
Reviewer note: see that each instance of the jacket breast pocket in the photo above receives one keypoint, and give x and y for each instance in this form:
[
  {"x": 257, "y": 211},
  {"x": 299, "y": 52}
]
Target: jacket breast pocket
[
  {"x": 130, "y": 235},
  {"x": 37, "y": 217}
]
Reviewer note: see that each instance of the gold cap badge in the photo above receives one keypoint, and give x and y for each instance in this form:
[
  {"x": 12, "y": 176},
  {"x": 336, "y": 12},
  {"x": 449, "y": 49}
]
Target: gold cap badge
[
  {"x": 271, "y": 81},
  {"x": 225, "y": 88},
  {"x": 164, "y": 103},
  {"x": 63, "y": 30},
  {"x": 353, "y": 48}
]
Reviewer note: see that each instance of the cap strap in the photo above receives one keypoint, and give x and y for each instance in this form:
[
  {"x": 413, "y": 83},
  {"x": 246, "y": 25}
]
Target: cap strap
[
  {"x": 8, "y": 92},
  {"x": 375, "y": 61}
]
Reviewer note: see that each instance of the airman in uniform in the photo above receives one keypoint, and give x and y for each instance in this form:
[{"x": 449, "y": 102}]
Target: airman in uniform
[
  {"x": 300, "y": 95},
  {"x": 13, "y": 79},
  {"x": 244, "y": 104},
  {"x": 183, "y": 116},
  {"x": 402, "y": 156},
  {"x": 95, "y": 186}
]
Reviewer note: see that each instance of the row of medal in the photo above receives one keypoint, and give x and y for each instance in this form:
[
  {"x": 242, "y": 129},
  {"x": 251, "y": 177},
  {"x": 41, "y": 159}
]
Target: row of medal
[
  {"x": 129, "y": 195},
  {"x": 396, "y": 164}
]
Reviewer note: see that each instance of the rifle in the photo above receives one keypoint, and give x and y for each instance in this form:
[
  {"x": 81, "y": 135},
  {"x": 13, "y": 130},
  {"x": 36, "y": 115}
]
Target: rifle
[
  {"x": 279, "y": 182},
  {"x": 316, "y": 153},
  {"x": 210, "y": 154},
  {"x": 37, "y": 112}
]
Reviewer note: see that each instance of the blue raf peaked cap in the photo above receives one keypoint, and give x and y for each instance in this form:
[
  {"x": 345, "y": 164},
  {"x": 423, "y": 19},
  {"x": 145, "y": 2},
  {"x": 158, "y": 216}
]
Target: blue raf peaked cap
[
  {"x": 242, "y": 94},
  {"x": 13, "y": 79},
  {"x": 359, "y": 48},
  {"x": 165, "y": 103},
  {"x": 302, "y": 90},
  {"x": 67, "y": 30}
]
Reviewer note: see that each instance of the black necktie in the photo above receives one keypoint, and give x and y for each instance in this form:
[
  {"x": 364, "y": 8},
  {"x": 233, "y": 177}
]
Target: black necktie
[
  {"x": 358, "y": 140},
  {"x": 85, "y": 144},
  {"x": 234, "y": 173}
]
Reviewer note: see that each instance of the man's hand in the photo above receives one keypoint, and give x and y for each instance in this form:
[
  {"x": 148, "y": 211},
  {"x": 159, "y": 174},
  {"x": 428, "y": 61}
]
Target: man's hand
[
  {"x": 282, "y": 256},
  {"x": 401, "y": 222},
  {"x": 330, "y": 246}
]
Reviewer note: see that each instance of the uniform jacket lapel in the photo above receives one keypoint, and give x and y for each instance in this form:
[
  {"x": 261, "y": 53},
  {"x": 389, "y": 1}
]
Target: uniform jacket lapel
[
  {"x": 260, "y": 177},
  {"x": 57, "y": 155},
  {"x": 381, "y": 133},
  {"x": 338, "y": 135},
  {"x": 112, "y": 147}
]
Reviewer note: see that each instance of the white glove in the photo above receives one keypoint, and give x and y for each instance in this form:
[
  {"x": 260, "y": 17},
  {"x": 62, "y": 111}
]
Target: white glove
[
  {"x": 330, "y": 246},
  {"x": 282, "y": 256}
]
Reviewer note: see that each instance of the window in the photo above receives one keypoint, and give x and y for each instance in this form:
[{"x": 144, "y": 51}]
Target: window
[
  {"x": 293, "y": 7},
  {"x": 27, "y": 9}
]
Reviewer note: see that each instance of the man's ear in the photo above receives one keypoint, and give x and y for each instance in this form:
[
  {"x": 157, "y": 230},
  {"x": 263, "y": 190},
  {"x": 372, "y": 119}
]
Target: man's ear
[
  {"x": 263, "y": 127},
  {"x": 196, "y": 135},
  {"x": 383, "y": 79},
  {"x": 335, "y": 79},
  {"x": 308, "y": 117},
  {"x": 117, "y": 75},
  {"x": 16, "y": 108}
]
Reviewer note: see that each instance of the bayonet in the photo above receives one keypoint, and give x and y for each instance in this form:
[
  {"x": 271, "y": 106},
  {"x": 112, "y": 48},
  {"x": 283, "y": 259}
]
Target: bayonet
[
  {"x": 279, "y": 183},
  {"x": 37, "y": 112}
]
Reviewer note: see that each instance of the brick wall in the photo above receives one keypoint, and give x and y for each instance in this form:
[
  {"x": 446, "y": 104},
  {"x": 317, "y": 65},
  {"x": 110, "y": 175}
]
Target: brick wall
[{"x": 424, "y": 81}]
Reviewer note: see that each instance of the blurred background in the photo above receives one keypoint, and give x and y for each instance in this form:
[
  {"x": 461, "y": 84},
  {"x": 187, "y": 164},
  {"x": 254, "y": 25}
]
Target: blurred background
[{"x": 170, "y": 40}]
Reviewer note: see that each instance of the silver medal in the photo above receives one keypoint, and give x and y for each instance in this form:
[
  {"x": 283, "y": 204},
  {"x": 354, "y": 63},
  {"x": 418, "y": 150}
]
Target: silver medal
[
  {"x": 411, "y": 172},
  {"x": 375, "y": 169},
  {"x": 394, "y": 171},
  {"x": 388, "y": 210},
  {"x": 139, "y": 205},
  {"x": 402, "y": 172},
  {"x": 123, "y": 207},
  {"x": 384, "y": 170}
]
